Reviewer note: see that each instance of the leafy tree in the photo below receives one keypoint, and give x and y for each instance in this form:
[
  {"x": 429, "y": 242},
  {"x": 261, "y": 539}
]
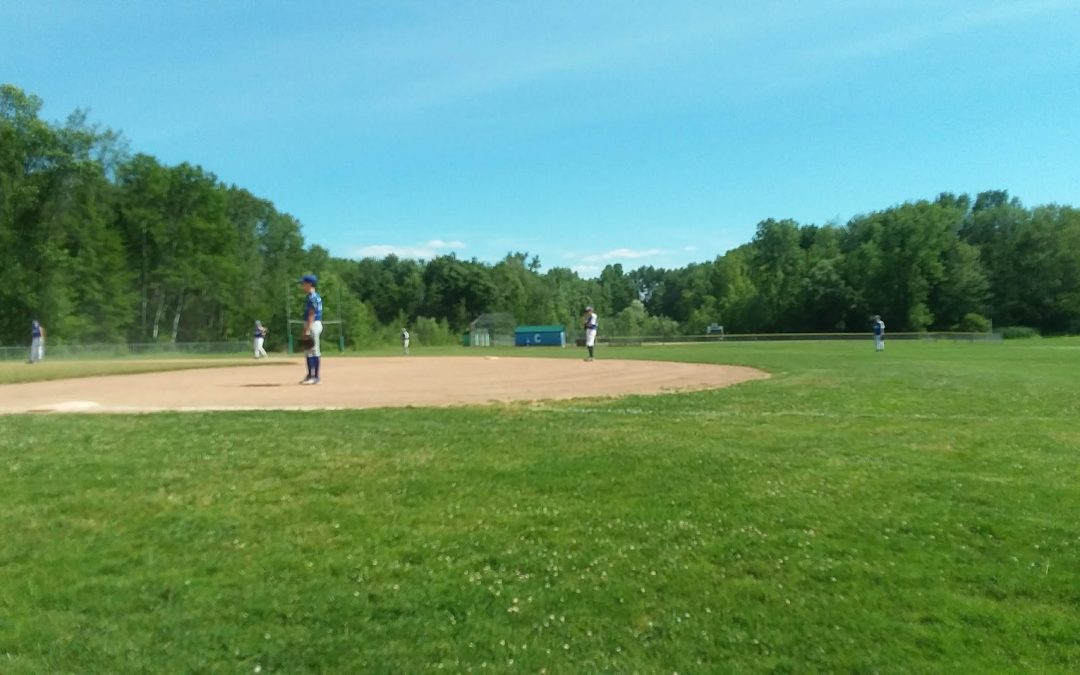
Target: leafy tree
[
  {"x": 102, "y": 245},
  {"x": 963, "y": 290},
  {"x": 777, "y": 267},
  {"x": 457, "y": 290},
  {"x": 896, "y": 259},
  {"x": 618, "y": 288}
]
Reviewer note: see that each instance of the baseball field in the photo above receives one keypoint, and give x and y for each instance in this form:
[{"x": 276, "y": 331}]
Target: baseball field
[{"x": 914, "y": 510}]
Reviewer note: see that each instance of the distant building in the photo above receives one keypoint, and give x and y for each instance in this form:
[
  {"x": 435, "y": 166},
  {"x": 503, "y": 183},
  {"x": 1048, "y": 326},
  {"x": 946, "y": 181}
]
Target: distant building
[{"x": 540, "y": 336}]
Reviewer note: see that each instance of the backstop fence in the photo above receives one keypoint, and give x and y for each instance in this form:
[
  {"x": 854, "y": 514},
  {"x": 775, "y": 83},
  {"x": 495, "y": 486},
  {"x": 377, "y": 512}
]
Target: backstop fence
[{"x": 491, "y": 330}]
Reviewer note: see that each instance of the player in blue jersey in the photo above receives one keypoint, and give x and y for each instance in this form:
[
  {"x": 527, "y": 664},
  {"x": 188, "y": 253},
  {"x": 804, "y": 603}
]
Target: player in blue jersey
[
  {"x": 313, "y": 311},
  {"x": 260, "y": 340},
  {"x": 879, "y": 334},
  {"x": 37, "y": 341}
]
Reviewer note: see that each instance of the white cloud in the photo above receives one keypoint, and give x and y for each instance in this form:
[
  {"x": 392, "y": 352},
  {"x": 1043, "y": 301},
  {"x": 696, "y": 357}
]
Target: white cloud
[
  {"x": 689, "y": 249},
  {"x": 624, "y": 254},
  {"x": 587, "y": 271},
  {"x": 425, "y": 251},
  {"x": 449, "y": 245},
  {"x": 900, "y": 39}
]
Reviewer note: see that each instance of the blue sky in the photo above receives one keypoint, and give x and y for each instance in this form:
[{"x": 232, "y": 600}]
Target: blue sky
[{"x": 585, "y": 132}]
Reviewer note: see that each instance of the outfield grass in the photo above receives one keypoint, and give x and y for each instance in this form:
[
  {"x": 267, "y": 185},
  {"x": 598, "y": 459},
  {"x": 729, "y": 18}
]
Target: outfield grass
[
  {"x": 908, "y": 511},
  {"x": 12, "y": 372}
]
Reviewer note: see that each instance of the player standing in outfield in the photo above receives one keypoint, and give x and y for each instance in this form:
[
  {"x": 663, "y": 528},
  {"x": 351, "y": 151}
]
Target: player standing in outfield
[
  {"x": 590, "y": 332},
  {"x": 260, "y": 340},
  {"x": 37, "y": 341},
  {"x": 405, "y": 340},
  {"x": 879, "y": 334},
  {"x": 313, "y": 311}
]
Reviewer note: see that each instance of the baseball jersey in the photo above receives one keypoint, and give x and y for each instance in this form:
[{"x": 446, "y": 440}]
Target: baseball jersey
[
  {"x": 592, "y": 322},
  {"x": 259, "y": 331},
  {"x": 405, "y": 335},
  {"x": 313, "y": 306},
  {"x": 35, "y": 329},
  {"x": 879, "y": 328}
]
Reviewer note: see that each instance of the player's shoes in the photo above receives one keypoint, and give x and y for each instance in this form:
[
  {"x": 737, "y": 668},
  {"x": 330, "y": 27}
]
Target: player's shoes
[
  {"x": 314, "y": 380},
  {"x": 307, "y": 380}
]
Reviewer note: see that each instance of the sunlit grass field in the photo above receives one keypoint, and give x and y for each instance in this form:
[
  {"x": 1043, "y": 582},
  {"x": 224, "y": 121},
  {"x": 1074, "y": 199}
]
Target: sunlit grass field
[
  {"x": 914, "y": 510},
  {"x": 14, "y": 372}
]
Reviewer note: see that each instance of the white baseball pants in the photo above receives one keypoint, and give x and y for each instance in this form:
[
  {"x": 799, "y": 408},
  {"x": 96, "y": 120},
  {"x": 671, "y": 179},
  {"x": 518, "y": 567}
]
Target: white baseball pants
[
  {"x": 37, "y": 350},
  {"x": 316, "y": 331}
]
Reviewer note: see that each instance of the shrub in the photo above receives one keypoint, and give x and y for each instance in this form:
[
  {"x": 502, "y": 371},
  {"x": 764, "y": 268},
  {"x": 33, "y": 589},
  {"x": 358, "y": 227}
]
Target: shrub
[
  {"x": 431, "y": 333},
  {"x": 1018, "y": 332},
  {"x": 975, "y": 323}
]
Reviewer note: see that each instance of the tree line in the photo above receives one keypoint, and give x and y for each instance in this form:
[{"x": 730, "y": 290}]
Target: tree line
[{"x": 105, "y": 245}]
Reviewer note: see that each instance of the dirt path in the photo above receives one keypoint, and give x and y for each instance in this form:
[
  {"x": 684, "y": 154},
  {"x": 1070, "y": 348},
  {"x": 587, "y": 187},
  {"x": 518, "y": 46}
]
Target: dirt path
[{"x": 369, "y": 383}]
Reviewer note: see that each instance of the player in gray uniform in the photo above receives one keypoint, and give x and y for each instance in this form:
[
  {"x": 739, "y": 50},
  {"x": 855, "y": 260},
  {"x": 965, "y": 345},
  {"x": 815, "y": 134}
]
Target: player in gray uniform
[
  {"x": 405, "y": 340},
  {"x": 260, "y": 340},
  {"x": 879, "y": 334},
  {"x": 37, "y": 341},
  {"x": 590, "y": 327}
]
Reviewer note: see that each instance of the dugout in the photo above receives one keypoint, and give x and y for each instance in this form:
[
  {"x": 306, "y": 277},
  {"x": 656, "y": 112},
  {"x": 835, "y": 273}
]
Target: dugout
[
  {"x": 540, "y": 336},
  {"x": 490, "y": 330}
]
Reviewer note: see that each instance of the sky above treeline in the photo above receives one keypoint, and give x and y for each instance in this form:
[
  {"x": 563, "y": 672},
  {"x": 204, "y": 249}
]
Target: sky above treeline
[{"x": 648, "y": 133}]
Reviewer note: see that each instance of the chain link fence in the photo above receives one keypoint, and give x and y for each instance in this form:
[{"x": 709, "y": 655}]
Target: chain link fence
[
  {"x": 790, "y": 337},
  {"x": 138, "y": 349},
  {"x": 170, "y": 350}
]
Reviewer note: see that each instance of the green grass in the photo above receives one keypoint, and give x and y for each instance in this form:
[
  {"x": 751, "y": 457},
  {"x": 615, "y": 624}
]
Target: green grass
[
  {"x": 12, "y": 372},
  {"x": 909, "y": 511}
]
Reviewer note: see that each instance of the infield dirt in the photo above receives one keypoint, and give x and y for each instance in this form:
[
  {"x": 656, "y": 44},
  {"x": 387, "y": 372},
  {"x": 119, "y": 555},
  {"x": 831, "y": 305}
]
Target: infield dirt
[{"x": 352, "y": 383}]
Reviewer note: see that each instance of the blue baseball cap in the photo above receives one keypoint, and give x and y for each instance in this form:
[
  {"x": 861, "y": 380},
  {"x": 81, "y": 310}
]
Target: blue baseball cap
[{"x": 309, "y": 279}]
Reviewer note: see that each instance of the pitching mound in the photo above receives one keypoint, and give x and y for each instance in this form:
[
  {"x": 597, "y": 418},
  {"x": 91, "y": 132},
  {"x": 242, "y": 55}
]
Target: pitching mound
[{"x": 369, "y": 383}]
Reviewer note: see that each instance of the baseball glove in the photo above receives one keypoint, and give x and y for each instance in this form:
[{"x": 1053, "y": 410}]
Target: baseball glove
[{"x": 307, "y": 342}]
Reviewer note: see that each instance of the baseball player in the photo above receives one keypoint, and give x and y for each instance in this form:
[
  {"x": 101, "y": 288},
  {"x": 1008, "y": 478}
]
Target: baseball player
[
  {"x": 879, "y": 334},
  {"x": 405, "y": 340},
  {"x": 590, "y": 332},
  {"x": 313, "y": 311},
  {"x": 260, "y": 339},
  {"x": 37, "y": 341}
]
